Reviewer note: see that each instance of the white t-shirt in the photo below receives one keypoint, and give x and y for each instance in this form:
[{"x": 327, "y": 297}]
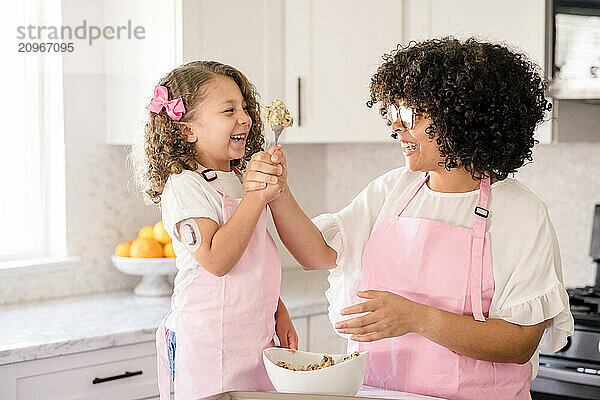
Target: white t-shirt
[
  {"x": 524, "y": 249},
  {"x": 189, "y": 195}
]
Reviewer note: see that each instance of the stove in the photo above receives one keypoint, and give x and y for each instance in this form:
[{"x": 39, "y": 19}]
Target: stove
[
  {"x": 584, "y": 306},
  {"x": 573, "y": 372}
]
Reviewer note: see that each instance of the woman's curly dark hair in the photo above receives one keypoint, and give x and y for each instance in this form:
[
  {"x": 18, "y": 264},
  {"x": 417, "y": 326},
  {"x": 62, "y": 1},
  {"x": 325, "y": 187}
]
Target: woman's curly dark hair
[
  {"x": 164, "y": 150},
  {"x": 484, "y": 100}
]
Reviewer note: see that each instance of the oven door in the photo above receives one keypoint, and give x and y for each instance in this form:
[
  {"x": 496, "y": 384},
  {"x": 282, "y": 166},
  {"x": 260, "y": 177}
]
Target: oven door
[{"x": 566, "y": 379}]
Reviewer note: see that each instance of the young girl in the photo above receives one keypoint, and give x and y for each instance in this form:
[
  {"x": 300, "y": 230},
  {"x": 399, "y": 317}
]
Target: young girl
[
  {"x": 204, "y": 124},
  {"x": 454, "y": 267}
]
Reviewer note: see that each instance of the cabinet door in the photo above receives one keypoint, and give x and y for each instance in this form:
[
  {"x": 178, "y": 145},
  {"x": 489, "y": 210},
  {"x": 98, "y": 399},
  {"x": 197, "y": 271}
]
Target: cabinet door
[
  {"x": 117, "y": 373},
  {"x": 323, "y": 338},
  {"x": 247, "y": 35},
  {"x": 134, "y": 67},
  {"x": 516, "y": 23},
  {"x": 301, "y": 325},
  {"x": 332, "y": 48}
]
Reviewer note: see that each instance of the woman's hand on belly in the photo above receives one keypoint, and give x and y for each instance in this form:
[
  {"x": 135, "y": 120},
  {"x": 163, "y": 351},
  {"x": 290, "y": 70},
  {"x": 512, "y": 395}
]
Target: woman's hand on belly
[{"x": 389, "y": 315}]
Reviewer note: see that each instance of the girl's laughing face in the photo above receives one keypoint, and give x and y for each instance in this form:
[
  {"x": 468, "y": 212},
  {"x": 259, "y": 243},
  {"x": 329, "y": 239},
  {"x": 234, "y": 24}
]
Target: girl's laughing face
[{"x": 220, "y": 124}]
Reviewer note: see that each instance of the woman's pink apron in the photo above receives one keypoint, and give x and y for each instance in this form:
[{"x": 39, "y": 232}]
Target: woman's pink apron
[
  {"x": 224, "y": 323},
  {"x": 448, "y": 267}
]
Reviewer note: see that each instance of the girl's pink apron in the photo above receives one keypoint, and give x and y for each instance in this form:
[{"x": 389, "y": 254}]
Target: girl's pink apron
[
  {"x": 223, "y": 323},
  {"x": 448, "y": 267}
]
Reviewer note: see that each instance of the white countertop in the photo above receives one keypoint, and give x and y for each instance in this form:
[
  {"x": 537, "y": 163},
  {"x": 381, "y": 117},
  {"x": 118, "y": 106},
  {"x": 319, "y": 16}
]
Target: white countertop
[
  {"x": 370, "y": 391},
  {"x": 57, "y": 327},
  {"x": 51, "y": 328},
  {"x": 365, "y": 392}
]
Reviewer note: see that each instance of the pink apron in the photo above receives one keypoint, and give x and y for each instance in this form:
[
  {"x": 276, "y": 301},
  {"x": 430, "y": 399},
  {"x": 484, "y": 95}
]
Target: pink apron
[
  {"x": 448, "y": 267},
  {"x": 223, "y": 323}
]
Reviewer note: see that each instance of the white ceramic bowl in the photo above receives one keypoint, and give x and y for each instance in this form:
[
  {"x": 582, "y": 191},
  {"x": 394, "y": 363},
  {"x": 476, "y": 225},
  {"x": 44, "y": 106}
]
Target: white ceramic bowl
[
  {"x": 154, "y": 272},
  {"x": 342, "y": 379}
]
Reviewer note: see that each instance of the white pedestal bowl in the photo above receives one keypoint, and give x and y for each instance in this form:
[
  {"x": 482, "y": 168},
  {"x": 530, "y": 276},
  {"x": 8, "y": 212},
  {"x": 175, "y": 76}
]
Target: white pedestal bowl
[{"x": 154, "y": 273}]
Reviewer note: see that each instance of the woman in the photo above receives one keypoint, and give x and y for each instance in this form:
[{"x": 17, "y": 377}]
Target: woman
[{"x": 454, "y": 267}]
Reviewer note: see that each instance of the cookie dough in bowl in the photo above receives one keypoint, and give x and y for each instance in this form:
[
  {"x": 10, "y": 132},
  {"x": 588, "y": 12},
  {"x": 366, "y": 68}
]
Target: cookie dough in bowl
[{"x": 294, "y": 371}]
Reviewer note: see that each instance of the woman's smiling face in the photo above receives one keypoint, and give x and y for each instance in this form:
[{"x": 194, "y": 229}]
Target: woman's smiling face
[{"x": 420, "y": 152}]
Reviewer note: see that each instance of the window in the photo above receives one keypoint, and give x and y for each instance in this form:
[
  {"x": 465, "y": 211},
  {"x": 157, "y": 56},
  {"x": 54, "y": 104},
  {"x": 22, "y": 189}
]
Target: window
[{"x": 32, "y": 209}]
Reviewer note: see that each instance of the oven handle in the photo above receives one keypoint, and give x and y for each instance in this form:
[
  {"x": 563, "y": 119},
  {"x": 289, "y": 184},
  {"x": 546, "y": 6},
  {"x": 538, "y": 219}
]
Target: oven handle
[{"x": 568, "y": 376}]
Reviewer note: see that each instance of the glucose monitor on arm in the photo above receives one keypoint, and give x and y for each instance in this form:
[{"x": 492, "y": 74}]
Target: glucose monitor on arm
[{"x": 190, "y": 234}]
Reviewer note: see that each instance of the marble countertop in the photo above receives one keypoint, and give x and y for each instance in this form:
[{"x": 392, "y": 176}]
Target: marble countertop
[{"x": 51, "y": 328}]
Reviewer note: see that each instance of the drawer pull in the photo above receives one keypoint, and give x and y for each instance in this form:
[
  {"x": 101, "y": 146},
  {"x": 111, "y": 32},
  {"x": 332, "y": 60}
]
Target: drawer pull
[{"x": 127, "y": 374}]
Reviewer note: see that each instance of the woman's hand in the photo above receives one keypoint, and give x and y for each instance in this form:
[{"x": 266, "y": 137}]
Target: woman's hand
[
  {"x": 389, "y": 315},
  {"x": 286, "y": 333},
  {"x": 267, "y": 170}
]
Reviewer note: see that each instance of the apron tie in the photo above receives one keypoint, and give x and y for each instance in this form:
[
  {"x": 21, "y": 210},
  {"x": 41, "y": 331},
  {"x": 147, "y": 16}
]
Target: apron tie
[
  {"x": 162, "y": 363},
  {"x": 481, "y": 214}
]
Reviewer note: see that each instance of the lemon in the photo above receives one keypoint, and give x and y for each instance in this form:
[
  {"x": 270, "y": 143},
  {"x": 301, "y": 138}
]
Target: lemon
[
  {"x": 122, "y": 250},
  {"x": 160, "y": 234},
  {"x": 168, "y": 250},
  {"x": 146, "y": 247},
  {"x": 146, "y": 232}
]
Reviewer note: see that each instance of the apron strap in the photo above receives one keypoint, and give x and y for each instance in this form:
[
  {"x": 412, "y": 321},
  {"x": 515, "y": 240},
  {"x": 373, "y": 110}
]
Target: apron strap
[
  {"x": 210, "y": 176},
  {"x": 478, "y": 242},
  {"x": 236, "y": 170},
  {"x": 410, "y": 196},
  {"x": 481, "y": 214}
]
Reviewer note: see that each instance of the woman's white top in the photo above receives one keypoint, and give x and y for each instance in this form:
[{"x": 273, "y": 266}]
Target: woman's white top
[
  {"x": 188, "y": 195},
  {"x": 524, "y": 249}
]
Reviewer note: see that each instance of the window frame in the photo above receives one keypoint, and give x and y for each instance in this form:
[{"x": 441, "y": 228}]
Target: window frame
[{"x": 45, "y": 147}]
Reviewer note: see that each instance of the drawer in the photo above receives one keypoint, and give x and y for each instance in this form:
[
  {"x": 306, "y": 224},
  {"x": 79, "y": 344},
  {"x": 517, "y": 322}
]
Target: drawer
[
  {"x": 118, "y": 373},
  {"x": 79, "y": 383}
]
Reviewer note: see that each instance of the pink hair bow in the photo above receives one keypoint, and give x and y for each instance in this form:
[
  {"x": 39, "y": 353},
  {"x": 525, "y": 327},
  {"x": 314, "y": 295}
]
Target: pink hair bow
[{"x": 174, "y": 108}]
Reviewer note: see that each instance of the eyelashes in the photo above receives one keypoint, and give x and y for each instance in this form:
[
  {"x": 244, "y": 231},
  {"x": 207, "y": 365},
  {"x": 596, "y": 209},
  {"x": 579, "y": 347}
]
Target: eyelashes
[{"x": 230, "y": 110}]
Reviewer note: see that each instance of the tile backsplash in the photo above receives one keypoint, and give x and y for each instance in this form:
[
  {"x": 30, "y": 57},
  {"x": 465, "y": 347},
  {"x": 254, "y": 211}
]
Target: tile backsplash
[{"x": 103, "y": 207}]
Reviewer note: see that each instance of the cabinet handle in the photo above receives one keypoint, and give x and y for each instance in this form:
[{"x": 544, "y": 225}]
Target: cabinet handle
[
  {"x": 127, "y": 374},
  {"x": 299, "y": 101}
]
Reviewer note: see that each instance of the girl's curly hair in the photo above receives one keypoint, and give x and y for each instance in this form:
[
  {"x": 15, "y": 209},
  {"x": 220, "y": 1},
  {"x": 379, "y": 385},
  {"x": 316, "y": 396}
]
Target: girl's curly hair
[
  {"x": 163, "y": 149},
  {"x": 483, "y": 99}
]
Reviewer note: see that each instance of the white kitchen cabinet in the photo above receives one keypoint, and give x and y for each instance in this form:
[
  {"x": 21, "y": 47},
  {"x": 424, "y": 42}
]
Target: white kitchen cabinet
[
  {"x": 316, "y": 334},
  {"x": 317, "y": 55},
  {"x": 84, "y": 375},
  {"x": 332, "y": 48},
  {"x": 516, "y": 23},
  {"x": 301, "y": 325},
  {"x": 322, "y": 336},
  {"x": 246, "y": 34},
  {"x": 134, "y": 66}
]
